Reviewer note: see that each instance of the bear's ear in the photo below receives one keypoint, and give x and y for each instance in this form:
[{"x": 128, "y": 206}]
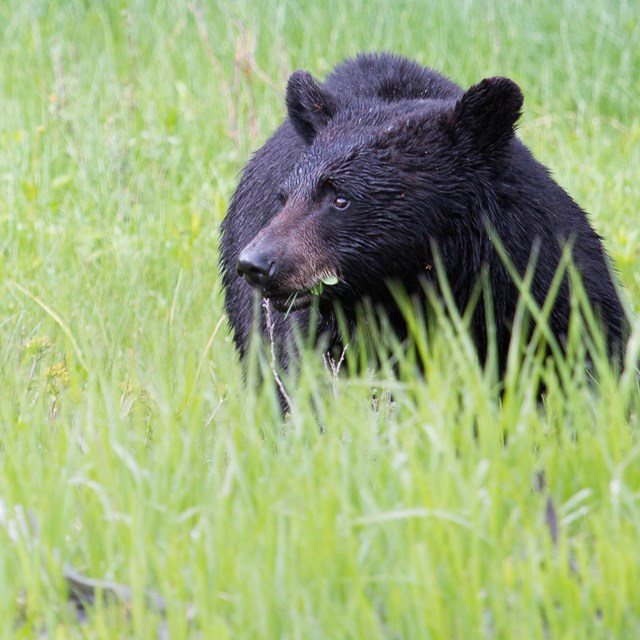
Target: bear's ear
[
  {"x": 310, "y": 107},
  {"x": 488, "y": 112}
]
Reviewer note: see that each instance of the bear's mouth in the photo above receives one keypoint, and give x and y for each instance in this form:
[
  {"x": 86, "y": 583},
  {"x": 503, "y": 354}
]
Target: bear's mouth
[
  {"x": 303, "y": 298},
  {"x": 291, "y": 302}
]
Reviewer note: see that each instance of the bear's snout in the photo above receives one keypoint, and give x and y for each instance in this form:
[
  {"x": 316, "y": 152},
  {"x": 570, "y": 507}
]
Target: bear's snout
[{"x": 257, "y": 267}]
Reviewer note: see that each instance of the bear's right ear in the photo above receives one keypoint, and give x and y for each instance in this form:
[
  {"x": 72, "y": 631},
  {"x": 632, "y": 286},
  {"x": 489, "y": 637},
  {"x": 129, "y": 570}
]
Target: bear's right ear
[
  {"x": 310, "y": 107},
  {"x": 488, "y": 113}
]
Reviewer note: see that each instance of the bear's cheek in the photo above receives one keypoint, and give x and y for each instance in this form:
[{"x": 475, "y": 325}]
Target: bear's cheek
[{"x": 304, "y": 263}]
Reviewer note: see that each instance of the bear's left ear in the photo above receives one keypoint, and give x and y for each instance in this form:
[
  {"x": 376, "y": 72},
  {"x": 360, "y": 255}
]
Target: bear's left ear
[
  {"x": 488, "y": 112},
  {"x": 310, "y": 106}
]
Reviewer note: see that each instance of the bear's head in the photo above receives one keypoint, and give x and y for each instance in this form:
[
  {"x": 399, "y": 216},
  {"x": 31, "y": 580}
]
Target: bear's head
[{"x": 379, "y": 185}]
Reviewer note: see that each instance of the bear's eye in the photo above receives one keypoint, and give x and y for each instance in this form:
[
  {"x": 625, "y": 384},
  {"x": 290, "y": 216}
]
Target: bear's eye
[
  {"x": 340, "y": 203},
  {"x": 282, "y": 198}
]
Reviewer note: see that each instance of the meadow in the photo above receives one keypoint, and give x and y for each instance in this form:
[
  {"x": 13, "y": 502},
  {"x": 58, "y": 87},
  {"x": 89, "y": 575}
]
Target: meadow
[{"x": 387, "y": 505}]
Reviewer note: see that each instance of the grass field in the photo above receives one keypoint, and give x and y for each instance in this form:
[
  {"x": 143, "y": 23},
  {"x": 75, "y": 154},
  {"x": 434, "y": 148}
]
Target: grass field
[{"x": 132, "y": 451}]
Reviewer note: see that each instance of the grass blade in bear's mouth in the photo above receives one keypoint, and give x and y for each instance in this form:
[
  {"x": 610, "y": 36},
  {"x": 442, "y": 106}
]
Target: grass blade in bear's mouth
[
  {"x": 328, "y": 280},
  {"x": 292, "y": 297}
]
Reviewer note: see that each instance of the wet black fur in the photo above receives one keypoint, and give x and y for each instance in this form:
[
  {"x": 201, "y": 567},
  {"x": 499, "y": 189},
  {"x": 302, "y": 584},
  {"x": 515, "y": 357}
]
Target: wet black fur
[{"x": 423, "y": 164}]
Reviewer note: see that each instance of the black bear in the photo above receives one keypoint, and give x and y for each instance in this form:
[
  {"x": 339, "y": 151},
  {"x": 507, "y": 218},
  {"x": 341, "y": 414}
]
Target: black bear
[{"x": 386, "y": 173}]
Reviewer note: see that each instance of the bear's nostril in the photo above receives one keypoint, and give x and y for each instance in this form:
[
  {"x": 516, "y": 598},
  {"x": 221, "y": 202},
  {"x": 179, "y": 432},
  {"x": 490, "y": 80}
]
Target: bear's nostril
[{"x": 257, "y": 268}]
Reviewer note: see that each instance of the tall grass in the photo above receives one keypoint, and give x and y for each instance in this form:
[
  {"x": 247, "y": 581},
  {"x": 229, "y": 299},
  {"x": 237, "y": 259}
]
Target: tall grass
[{"x": 388, "y": 505}]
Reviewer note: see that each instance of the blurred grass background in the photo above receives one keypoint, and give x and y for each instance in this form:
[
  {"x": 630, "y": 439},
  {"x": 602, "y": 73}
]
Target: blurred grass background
[{"x": 127, "y": 433}]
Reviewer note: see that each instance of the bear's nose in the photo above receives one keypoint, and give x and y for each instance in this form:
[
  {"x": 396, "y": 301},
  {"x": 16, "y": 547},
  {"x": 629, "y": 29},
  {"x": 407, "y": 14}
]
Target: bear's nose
[{"x": 257, "y": 267}]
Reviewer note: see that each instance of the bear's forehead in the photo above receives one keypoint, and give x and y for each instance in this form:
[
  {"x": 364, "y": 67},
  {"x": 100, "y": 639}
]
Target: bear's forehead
[
  {"x": 336, "y": 162},
  {"x": 360, "y": 136},
  {"x": 321, "y": 163},
  {"x": 377, "y": 124}
]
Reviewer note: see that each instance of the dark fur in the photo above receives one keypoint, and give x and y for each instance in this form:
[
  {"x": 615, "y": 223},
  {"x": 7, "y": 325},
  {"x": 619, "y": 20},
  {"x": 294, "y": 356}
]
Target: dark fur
[{"x": 423, "y": 164}]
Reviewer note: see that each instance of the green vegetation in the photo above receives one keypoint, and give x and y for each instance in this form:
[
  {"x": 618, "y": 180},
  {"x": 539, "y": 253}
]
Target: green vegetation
[{"x": 132, "y": 451}]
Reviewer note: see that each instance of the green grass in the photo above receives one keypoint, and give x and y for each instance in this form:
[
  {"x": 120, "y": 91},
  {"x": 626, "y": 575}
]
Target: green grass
[{"x": 127, "y": 432}]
